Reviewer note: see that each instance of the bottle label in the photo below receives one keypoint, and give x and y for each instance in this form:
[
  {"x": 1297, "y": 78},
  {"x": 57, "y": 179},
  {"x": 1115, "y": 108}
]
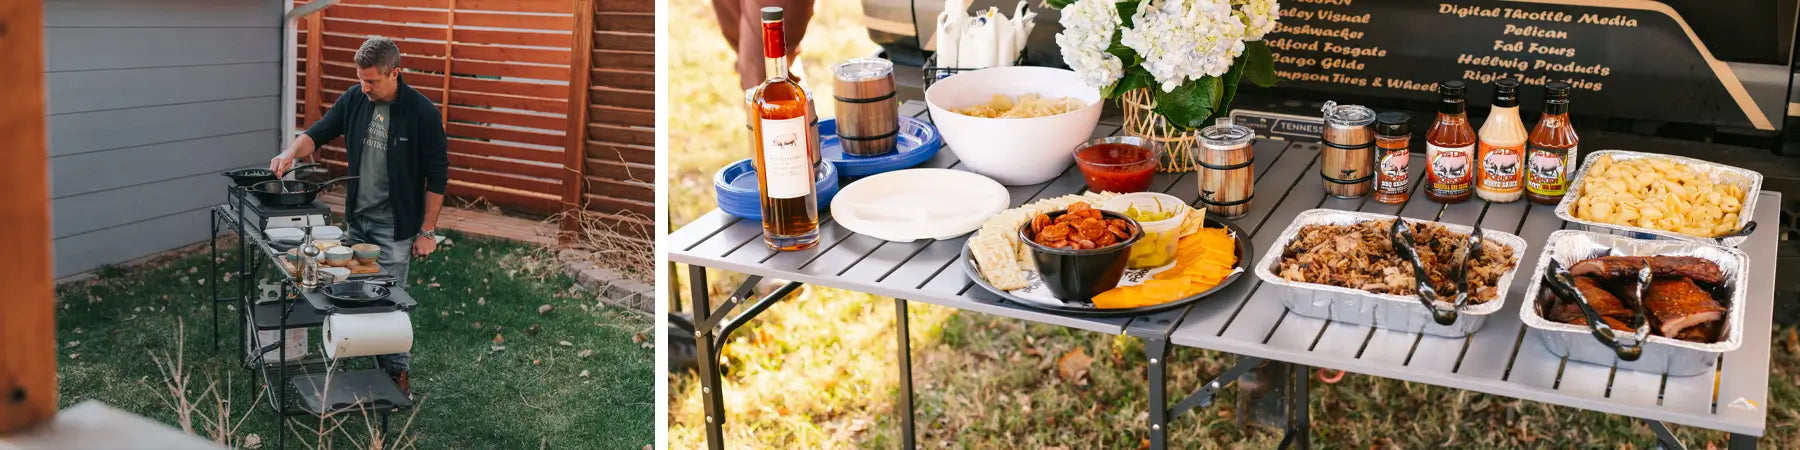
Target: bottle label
[
  {"x": 786, "y": 160},
  {"x": 1547, "y": 173},
  {"x": 1391, "y": 176},
  {"x": 1500, "y": 167},
  {"x": 1449, "y": 175}
]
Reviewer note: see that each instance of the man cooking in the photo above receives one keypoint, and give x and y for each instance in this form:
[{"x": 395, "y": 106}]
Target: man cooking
[{"x": 395, "y": 142}]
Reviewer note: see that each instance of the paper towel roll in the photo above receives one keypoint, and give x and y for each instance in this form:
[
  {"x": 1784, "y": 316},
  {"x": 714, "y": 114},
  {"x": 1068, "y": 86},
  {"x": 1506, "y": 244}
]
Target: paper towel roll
[{"x": 353, "y": 335}]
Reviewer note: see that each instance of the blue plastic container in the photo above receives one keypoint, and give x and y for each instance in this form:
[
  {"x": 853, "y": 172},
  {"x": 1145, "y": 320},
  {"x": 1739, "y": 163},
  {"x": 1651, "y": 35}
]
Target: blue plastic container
[
  {"x": 918, "y": 142},
  {"x": 739, "y": 195}
]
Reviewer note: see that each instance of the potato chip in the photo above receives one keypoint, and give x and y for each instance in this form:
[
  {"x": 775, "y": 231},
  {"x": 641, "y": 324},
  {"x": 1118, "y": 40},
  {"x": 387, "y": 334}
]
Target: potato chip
[{"x": 1026, "y": 106}]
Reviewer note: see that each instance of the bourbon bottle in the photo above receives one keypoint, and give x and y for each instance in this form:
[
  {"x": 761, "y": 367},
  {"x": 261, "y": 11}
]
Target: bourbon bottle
[
  {"x": 784, "y": 148},
  {"x": 1450, "y": 147}
]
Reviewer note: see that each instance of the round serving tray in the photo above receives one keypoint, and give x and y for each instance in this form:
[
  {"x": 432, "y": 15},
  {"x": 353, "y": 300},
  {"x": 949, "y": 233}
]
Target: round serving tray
[
  {"x": 917, "y": 142},
  {"x": 1088, "y": 310}
]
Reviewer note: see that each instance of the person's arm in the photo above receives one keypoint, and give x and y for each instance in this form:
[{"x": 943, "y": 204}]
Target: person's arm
[
  {"x": 434, "y": 149},
  {"x": 325, "y": 130}
]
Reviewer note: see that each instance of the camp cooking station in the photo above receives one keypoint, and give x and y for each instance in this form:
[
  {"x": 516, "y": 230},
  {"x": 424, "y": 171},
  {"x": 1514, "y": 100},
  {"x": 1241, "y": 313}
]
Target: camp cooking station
[
  {"x": 1503, "y": 358},
  {"x": 293, "y": 385}
]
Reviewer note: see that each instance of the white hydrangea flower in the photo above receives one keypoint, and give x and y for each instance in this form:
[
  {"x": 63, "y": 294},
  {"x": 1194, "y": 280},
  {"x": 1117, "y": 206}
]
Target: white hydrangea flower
[
  {"x": 1184, "y": 40},
  {"x": 1259, "y": 17},
  {"x": 1088, "y": 27}
]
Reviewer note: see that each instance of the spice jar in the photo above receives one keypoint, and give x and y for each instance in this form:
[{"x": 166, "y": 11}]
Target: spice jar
[
  {"x": 1393, "y": 136},
  {"x": 1348, "y": 159},
  {"x": 1226, "y": 179}
]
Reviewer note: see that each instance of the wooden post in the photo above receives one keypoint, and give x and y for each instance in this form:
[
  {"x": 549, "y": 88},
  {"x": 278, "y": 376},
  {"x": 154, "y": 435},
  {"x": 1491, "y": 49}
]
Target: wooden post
[
  {"x": 575, "y": 151},
  {"x": 315, "y": 51},
  {"x": 449, "y": 55},
  {"x": 27, "y": 309}
]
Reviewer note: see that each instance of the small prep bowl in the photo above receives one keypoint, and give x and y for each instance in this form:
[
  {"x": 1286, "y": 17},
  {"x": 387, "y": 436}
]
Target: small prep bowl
[
  {"x": 1162, "y": 237},
  {"x": 1014, "y": 152},
  {"x": 366, "y": 252},
  {"x": 1076, "y": 276},
  {"x": 338, "y": 256},
  {"x": 1126, "y": 175}
]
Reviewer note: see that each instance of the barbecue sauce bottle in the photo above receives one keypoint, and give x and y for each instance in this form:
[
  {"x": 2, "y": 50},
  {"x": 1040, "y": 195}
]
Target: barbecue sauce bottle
[
  {"x": 1449, "y": 147},
  {"x": 1553, "y": 149},
  {"x": 1502, "y": 147}
]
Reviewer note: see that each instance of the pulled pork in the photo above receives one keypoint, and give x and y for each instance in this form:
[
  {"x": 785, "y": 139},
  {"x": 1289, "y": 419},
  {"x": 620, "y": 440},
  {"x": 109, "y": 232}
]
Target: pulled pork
[{"x": 1362, "y": 256}]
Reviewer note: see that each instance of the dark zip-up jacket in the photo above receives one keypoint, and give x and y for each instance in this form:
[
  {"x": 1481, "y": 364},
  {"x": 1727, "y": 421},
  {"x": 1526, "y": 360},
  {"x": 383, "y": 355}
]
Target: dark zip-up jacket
[{"x": 418, "y": 160}]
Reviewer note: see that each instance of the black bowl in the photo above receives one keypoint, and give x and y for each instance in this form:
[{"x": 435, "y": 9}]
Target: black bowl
[{"x": 1079, "y": 275}]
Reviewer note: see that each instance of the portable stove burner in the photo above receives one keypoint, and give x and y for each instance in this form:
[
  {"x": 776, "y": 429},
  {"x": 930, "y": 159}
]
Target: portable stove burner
[{"x": 259, "y": 216}]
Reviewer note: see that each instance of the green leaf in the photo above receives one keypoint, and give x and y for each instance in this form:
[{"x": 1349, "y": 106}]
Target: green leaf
[
  {"x": 1260, "y": 65},
  {"x": 1230, "y": 83},
  {"x": 1126, "y": 55},
  {"x": 1127, "y": 9},
  {"x": 1058, "y": 4},
  {"x": 1191, "y": 103},
  {"x": 1136, "y": 77}
]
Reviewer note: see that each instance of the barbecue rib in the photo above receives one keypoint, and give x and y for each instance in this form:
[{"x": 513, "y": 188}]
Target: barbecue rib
[
  {"x": 1603, "y": 301},
  {"x": 1694, "y": 268},
  {"x": 1678, "y": 303},
  {"x": 1616, "y": 324}
]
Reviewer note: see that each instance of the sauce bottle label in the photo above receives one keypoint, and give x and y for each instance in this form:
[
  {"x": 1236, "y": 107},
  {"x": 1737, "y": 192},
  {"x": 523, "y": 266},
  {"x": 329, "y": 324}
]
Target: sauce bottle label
[
  {"x": 1449, "y": 174},
  {"x": 1500, "y": 167},
  {"x": 1547, "y": 171},
  {"x": 786, "y": 160},
  {"x": 1391, "y": 178}
]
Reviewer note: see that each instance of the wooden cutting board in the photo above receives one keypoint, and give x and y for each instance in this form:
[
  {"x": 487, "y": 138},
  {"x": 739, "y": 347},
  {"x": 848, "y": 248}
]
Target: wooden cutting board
[{"x": 356, "y": 268}]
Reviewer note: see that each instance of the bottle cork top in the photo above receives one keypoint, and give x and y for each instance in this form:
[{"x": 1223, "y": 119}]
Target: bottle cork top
[{"x": 771, "y": 13}]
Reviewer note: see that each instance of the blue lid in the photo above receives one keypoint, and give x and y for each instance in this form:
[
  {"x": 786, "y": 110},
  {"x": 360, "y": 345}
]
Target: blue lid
[
  {"x": 918, "y": 142},
  {"x": 738, "y": 193}
]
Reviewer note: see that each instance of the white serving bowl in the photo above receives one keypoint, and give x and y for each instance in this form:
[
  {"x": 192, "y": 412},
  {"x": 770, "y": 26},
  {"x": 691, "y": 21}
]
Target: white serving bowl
[{"x": 1013, "y": 151}]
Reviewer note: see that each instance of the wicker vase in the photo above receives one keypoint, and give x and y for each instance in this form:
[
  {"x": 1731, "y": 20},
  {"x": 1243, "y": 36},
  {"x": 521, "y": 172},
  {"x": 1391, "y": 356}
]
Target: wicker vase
[{"x": 1180, "y": 148}]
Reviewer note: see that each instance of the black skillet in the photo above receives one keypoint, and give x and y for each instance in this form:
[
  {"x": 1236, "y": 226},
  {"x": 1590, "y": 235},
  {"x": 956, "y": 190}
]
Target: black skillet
[
  {"x": 250, "y": 177},
  {"x": 280, "y": 193},
  {"x": 355, "y": 292}
]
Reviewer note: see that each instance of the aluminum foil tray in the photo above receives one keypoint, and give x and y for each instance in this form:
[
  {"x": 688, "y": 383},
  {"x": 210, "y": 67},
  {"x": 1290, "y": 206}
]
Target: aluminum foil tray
[
  {"x": 1749, "y": 180},
  {"x": 1356, "y": 306},
  {"x": 1660, "y": 354}
]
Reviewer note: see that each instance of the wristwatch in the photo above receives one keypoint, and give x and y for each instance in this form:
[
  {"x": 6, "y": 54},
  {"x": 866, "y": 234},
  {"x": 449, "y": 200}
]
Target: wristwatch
[{"x": 428, "y": 233}]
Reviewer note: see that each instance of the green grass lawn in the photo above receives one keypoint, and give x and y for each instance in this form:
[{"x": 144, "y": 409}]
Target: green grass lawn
[
  {"x": 572, "y": 377},
  {"x": 817, "y": 370}
]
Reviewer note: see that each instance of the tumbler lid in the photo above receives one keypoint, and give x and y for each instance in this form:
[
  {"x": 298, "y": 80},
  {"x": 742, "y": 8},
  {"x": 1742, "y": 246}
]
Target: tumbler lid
[
  {"x": 1348, "y": 116},
  {"x": 863, "y": 69},
  {"x": 1224, "y": 133}
]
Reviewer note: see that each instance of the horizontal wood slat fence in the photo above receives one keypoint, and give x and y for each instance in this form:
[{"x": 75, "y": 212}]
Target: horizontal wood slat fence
[{"x": 548, "y": 103}]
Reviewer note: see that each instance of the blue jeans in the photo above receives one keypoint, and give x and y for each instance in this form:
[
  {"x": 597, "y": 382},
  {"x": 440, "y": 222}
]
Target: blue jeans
[{"x": 396, "y": 259}]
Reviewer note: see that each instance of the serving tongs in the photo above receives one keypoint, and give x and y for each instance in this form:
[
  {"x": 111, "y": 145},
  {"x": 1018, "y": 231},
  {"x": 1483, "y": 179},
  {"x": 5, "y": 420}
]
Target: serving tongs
[
  {"x": 1562, "y": 283},
  {"x": 1402, "y": 238}
]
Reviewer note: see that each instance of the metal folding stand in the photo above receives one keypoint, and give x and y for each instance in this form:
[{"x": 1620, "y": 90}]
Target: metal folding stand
[
  {"x": 712, "y": 328},
  {"x": 1155, "y": 330},
  {"x": 287, "y": 299}
]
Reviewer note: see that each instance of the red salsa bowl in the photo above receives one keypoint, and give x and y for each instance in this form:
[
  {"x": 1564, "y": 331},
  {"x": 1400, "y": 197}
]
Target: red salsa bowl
[{"x": 1121, "y": 164}]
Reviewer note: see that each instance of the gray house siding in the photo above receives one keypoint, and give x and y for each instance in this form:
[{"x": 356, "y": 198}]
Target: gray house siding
[{"x": 148, "y": 102}]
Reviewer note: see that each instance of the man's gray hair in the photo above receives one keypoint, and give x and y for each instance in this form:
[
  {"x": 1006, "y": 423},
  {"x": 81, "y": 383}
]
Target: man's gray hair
[{"x": 380, "y": 53}]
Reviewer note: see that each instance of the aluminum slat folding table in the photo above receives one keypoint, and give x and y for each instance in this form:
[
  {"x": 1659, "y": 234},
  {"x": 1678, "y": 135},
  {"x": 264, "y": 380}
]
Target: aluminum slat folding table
[{"x": 1503, "y": 358}]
